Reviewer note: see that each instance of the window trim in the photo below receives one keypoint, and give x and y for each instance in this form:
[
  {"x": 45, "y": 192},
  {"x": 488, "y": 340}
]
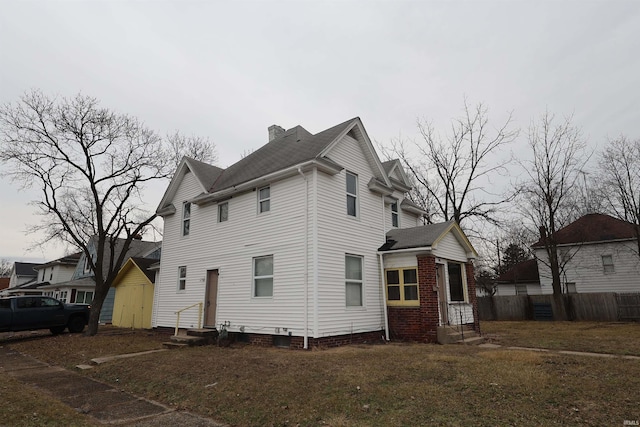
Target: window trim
[
  {"x": 254, "y": 277},
  {"x": 220, "y": 206},
  {"x": 186, "y": 218},
  {"x": 608, "y": 268},
  {"x": 266, "y": 199},
  {"x": 182, "y": 280},
  {"x": 353, "y": 195},
  {"x": 348, "y": 281},
  {"x": 402, "y": 302},
  {"x": 463, "y": 279},
  {"x": 395, "y": 215}
]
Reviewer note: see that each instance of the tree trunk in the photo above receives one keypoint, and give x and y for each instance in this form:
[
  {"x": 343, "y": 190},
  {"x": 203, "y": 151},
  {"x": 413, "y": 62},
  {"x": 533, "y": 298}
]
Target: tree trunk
[{"x": 96, "y": 307}]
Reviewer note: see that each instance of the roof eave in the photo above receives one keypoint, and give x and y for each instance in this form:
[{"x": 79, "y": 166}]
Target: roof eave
[{"x": 323, "y": 165}]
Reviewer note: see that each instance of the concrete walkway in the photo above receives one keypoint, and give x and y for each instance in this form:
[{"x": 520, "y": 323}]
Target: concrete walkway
[
  {"x": 572, "y": 353},
  {"x": 102, "y": 402}
]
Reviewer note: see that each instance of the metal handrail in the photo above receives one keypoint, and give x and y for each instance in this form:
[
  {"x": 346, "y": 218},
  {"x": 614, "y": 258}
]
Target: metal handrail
[{"x": 199, "y": 304}]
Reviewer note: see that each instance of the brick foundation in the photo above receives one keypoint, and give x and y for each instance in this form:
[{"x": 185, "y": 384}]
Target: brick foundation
[{"x": 324, "y": 342}]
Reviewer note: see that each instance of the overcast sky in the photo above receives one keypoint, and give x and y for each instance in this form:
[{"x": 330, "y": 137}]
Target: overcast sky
[{"x": 228, "y": 70}]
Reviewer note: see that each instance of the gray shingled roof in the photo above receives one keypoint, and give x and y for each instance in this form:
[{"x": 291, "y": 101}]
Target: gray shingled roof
[
  {"x": 414, "y": 237},
  {"x": 294, "y": 146},
  {"x": 26, "y": 269},
  {"x": 144, "y": 264},
  {"x": 206, "y": 173}
]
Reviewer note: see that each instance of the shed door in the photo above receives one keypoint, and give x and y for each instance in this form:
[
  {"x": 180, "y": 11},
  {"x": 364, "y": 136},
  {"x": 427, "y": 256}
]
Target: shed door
[{"x": 211, "y": 299}]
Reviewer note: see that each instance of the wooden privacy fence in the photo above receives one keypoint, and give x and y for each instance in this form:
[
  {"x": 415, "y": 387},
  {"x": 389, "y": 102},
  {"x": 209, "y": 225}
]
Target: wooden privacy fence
[{"x": 605, "y": 306}]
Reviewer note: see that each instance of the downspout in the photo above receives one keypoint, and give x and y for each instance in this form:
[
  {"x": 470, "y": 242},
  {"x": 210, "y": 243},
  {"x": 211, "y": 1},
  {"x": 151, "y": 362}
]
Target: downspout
[
  {"x": 385, "y": 315},
  {"x": 306, "y": 260},
  {"x": 384, "y": 298}
]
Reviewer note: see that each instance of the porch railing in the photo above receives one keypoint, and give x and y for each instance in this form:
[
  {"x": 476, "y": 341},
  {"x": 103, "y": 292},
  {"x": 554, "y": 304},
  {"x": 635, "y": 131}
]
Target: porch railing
[{"x": 199, "y": 304}]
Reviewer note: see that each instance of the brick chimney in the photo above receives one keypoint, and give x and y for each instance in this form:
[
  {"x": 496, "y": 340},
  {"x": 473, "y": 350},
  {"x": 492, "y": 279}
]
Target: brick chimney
[{"x": 275, "y": 131}]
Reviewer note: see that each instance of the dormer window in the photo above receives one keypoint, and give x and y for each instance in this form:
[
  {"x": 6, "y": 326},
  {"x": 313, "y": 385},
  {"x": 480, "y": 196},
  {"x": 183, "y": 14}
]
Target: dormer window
[
  {"x": 352, "y": 194},
  {"x": 394, "y": 214},
  {"x": 186, "y": 218},
  {"x": 264, "y": 199}
]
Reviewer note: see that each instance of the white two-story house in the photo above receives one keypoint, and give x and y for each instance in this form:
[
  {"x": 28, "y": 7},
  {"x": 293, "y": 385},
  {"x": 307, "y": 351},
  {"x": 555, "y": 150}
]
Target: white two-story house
[{"x": 288, "y": 246}]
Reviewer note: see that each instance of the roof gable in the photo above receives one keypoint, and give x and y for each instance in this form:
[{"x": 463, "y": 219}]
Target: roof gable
[
  {"x": 206, "y": 175},
  {"x": 426, "y": 236},
  {"x": 137, "y": 263},
  {"x": 355, "y": 129},
  {"x": 593, "y": 228},
  {"x": 395, "y": 171}
]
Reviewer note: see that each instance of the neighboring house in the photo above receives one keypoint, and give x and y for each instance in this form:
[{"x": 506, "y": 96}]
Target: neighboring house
[
  {"x": 282, "y": 246},
  {"x": 52, "y": 272},
  {"x": 521, "y": 279},
  {"x": 133, "y": 301},
  {"x": 22, "y": 273},
  {"x": 600, "y": 254},
  {"x": 80, "y": 289},
  {"x": 4, "y": 283}
]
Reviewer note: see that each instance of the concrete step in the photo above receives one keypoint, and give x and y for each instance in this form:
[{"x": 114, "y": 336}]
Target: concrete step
[
  {"x": 189, "y": 340},
  {"x": 471, "y": 341},
  {"x": 203, "y": 332},
  {"x": 455, "y": 334},
  {"x": 174, "y": 345}
]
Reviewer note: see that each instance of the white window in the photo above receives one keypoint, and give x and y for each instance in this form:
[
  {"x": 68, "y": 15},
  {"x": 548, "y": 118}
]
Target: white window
[
  {"x": 182, "y": 278},
  {"x": 352, "y": 194},
  {"x": 223, "y": 212},
  {"x": 62, "y": 296},
  {"x": 263, "y": 276},
  {"x": 264, "y": 199},
  {"x": 84, "y": 297},
  {"x": 571, "y": 288},
  {"x": 394, "y": 214},
  {"x": 353, "y": 280},
  {"x": 521, "y": 289},
  {"x": 607, "y": 264},
  {"x": 186, "y": 218}
]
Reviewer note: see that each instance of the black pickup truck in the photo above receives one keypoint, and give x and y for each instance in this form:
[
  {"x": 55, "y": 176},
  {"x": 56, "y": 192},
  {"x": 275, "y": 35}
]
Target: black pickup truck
[{"x": 26, "y": 313}]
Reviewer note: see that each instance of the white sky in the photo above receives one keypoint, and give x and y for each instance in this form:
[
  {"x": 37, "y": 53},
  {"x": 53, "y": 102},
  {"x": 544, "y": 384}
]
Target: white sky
[{"x": 229, "y": 70}]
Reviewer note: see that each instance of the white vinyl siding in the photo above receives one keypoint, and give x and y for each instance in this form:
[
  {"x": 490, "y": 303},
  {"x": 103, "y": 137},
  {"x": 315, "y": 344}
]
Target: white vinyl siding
[
  {"x": 230, "y": 248},
  {"x": 449, "y": 248},
  {"x": 586, "y": 268}
]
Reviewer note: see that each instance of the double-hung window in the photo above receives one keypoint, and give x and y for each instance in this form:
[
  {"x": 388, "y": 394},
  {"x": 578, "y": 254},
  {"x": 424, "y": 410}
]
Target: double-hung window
[
  {"x": 182, "y": 278},
  {"x": 263, "y": 276},
  {"x": 394, "y": 214},
  {"x": 84, "y": 297},
  {"x": 223, "y": 212},
  {"x": 353, "y": 280},
  {"x": 402, "y": 286},
  {"x": 352, "y": 194},
  {"x": 607, "y": 264},
  {"x": 264, "y": 199},
  {"x": 186, "y": 218}
]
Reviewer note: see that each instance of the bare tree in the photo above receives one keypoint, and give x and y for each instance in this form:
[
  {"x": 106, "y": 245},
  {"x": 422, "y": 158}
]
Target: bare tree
[
  {"x": 547, "y": 198},
  {"x": 196, "y": 147},
  {"x": 5, "y": 267},
  {"x": 453, "y": 174},
  {"x": 619, "y": 179},
  {"x": 91, "y": 165}
]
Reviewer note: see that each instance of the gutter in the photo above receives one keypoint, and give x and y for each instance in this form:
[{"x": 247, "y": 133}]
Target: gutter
[
  {"x": 322, "y": 164},
  {"x": 399, "y": 251}
]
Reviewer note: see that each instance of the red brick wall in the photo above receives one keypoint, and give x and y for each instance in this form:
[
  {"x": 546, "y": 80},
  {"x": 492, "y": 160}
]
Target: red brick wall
[
  {"x": 418, "y": 323},
  {"x": 326, "y": 342},
  {"x": 473, "y": 298}
]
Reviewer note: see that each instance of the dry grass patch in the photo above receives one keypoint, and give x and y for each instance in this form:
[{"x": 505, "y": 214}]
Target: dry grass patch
[
  {"x": 69, "y": 350},
  {"x": 384, "y": 385},
  {"x": 23, "y": 406},
  {"x": 598, "y": 337}
]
